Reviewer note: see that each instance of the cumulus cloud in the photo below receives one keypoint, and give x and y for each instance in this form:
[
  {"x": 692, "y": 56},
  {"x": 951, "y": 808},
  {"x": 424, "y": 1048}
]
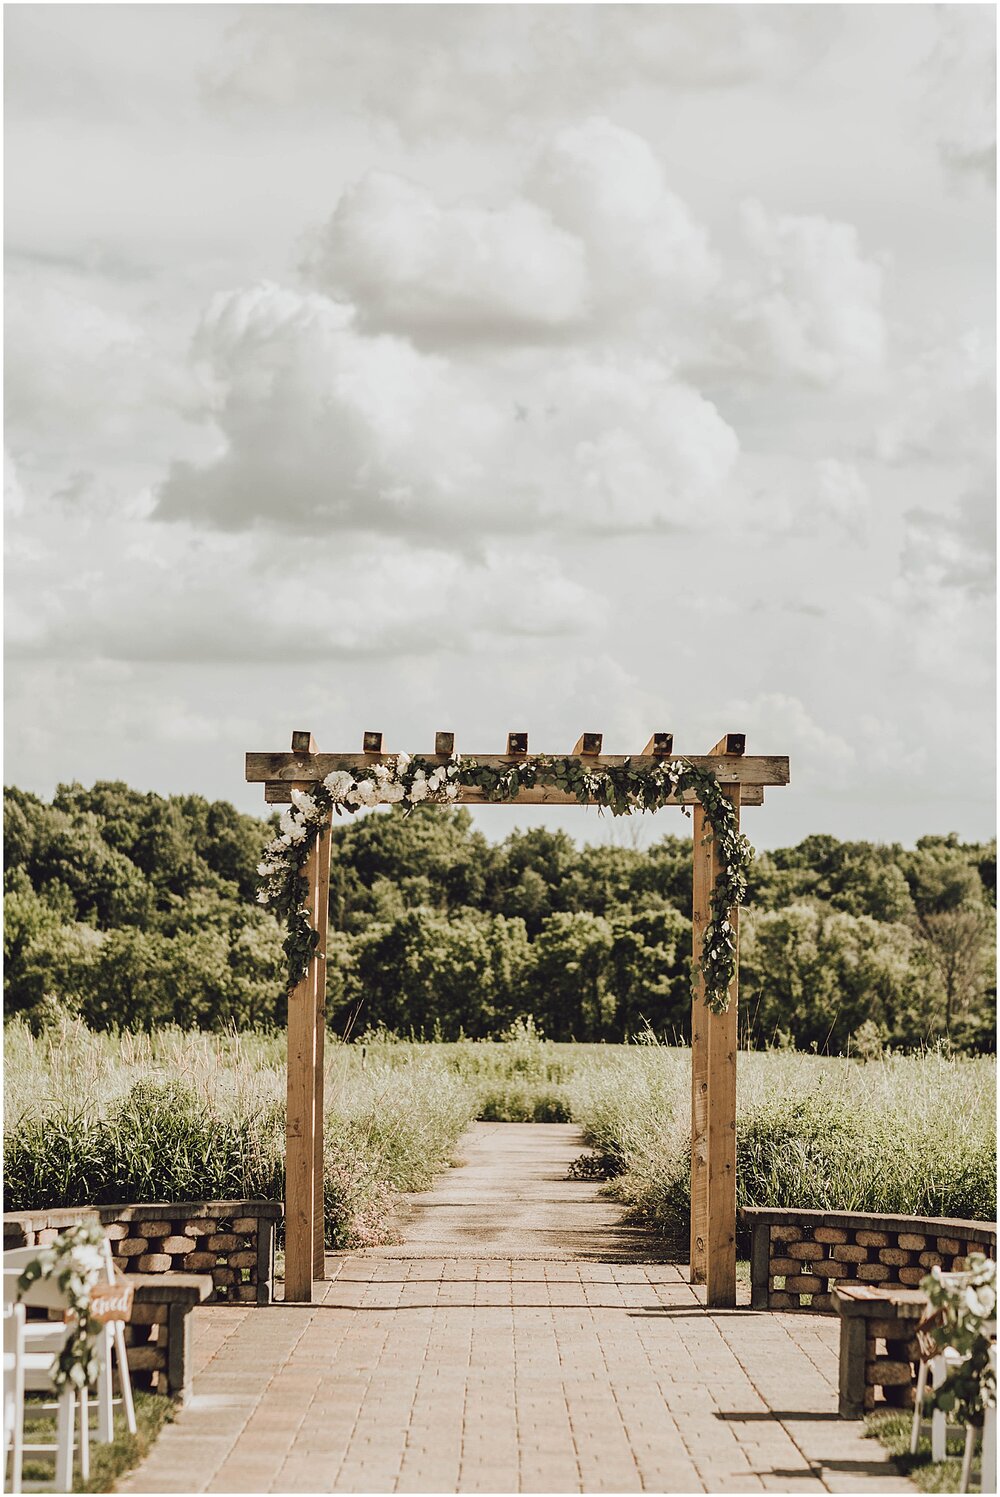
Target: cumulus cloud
[
  {"x": 954, "y": 550},
  {"x": 959, "y": 106},
  {"x": 944, "y": 403},
  {"x": 468, "y": 69},
  {"x": 180, "y": 597},
  {"x": 842, "y": 496},
  {"x": 595, "y": 235},
  {"x": 812, "y": 303},
  {"x": 326, "y": 427},
  {"x": 412, "y": 265}
]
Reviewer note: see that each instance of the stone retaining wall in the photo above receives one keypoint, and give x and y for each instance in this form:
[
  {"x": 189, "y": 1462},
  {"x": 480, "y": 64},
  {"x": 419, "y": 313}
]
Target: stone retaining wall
[
  {"x": 798, "y": 1256},
  {"x": 232, "y": 1241}
]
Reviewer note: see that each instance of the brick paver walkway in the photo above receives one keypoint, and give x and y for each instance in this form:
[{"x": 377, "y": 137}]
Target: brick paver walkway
[{"x": 511, "y": 1373}]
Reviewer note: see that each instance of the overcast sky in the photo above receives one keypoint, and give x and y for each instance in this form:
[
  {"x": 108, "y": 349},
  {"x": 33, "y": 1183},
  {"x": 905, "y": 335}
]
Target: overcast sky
[{"x": 505, "y": 367}]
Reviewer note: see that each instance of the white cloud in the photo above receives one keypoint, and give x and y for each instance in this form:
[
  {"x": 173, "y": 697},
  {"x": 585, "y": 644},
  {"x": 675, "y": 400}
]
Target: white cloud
[
  {"x": 413, "y": 266},
  {"x": 595, "y": 236},
  {"x": 842, "y": 496},
  {"x": 944, "y": 404},
  {"x": 452, "y": 69},
  {"x": 952, "y": 550},
  {"x": 959, "y": 109},
  {"x": 812, "y": 306},
  {"x": 173, "y": 595},
  {"x": 325, "y": 427}
]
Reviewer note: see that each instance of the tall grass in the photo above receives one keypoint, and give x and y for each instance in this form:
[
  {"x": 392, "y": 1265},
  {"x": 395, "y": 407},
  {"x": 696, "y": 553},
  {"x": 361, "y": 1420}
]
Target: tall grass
[
  {"x": 98, "y": 1118},
  {"x": 188, "y": 1116},
  {"x": 914, "y": 1135}
]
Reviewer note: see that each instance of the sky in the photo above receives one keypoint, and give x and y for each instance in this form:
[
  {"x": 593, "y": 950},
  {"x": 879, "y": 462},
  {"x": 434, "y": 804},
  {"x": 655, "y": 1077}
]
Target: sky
[{"x": 505, "y": 367}]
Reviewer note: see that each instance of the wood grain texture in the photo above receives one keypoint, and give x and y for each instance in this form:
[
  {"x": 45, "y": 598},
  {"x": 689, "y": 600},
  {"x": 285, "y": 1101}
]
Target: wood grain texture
[
  {"x": 720, "y": 1245},
  {"x": 735, "y": 769},
  {"x": 300, "y": 1132},
  {"x": 702, "y": 888},
  {"x": 660, "y": 746},
  {"x": 278, "y": 793},
  {"x": 322, "y": 911}
]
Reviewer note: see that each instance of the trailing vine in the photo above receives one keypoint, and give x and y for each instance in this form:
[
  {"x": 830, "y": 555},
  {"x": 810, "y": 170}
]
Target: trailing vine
[
  {"x": 621, "y": 789},
  {"x": 76, "y": 1261}
]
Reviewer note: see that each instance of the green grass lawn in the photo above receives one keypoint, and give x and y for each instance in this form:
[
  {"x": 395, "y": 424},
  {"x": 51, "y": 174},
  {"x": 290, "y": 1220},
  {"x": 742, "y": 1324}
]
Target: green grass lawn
[
  {"x": 107, "y": 1462},
  {"x": 893, "y": 1430}
]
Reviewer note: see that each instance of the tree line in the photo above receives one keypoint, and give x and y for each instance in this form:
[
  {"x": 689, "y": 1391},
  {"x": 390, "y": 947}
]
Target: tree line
[{"x": 134, "y": 910}]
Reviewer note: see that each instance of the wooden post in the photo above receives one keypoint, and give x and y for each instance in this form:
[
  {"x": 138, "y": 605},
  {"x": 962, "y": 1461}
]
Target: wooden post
[
  {"x": 713, "y": 1083},
  {"x": 300, "y": 1119},
  {"x": 319, "y": 962},
  {"x": 702, "y": 888}
]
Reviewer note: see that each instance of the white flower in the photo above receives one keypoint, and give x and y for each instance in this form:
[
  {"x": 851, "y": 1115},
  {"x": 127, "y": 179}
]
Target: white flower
[
  {"x": 367, "y": 793},
  {"x": 293, "y": 828},
  {"x": 402, "y": 760},
  {"x": 382, "y": 772},
  {"x": 303, "y": 802},
  {"x": 418, "y": 790},
  {"x": 390, "y": 794},
  {"x": 451, "y": 791},
  {"x": 265, "y": 869},
  {"x": 262, "y": 896},
  {"x": 981, "y": 1300},
  {"x": 436, "y": 779},
  {"x": 339, "y": 783}
]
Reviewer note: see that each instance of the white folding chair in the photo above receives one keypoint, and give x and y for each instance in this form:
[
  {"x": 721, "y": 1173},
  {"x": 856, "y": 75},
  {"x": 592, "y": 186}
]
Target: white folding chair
[
  {"x": 41, "y": 1343},
  {"x": 935, "y": 1367},
  {"x": 109, "y": 1349}
]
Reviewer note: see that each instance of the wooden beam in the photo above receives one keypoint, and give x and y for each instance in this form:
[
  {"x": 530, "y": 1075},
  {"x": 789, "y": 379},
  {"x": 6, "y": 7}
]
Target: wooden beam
[
  {"x": 372, "y": 743},
  {"x": 322, "y": 911},
  {"x": 729, "y": 769},
  {"x": 732, "y": 743},
  {"x": 517, "y": 744},
  {"x": 660, "y": 746},
  {"x": 279, "y": 793},
  {"x": 444, "y": 744},
  {"x": 300, "y": 1123},
  {"x": 589, "y": 744},
  {"x": 303, "y": 742}
]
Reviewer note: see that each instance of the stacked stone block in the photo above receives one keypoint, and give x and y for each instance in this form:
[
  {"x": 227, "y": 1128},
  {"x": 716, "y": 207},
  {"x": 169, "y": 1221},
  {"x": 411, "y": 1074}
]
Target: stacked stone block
[
  {"x": 231, "y": 1241},
  {"x": 797, "y": 1257}
]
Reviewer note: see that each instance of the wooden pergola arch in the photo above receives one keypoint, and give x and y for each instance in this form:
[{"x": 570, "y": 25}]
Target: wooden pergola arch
[{"x": 713, "y": 1036}]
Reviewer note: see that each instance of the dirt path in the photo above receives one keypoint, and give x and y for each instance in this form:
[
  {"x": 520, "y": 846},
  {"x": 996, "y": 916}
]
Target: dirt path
[{"x": 511, "y": 1198}]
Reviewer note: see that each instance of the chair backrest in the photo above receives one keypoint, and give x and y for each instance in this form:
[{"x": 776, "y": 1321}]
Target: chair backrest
[{"x": 43, "y": 1294}]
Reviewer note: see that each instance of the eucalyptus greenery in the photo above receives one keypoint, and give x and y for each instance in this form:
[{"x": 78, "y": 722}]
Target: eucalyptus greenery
[
  {"x": 965, "y": 1309},
  {"x": 75, "y": 1260},
  {"x": 621, "y": 789}
]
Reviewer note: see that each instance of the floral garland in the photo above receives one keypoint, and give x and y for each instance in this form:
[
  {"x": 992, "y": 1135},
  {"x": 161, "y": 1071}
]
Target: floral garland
[
  {"x": 409, "y": 781},
  {"x": 76, "y": 1261},
  {"x": 964, "y": 1303}
]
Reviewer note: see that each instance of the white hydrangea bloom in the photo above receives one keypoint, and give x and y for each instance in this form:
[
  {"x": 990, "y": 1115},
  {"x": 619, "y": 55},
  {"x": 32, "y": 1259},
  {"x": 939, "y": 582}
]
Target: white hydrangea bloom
[
  {"x": 303, "y": 802},
  {"x": 418, "y": 790},
  {"x": 367, "y": 793},
  {"x": 339, "y": 783},
  {"x": 402, "y": 760},
  {"x": 390, "y": 795}
]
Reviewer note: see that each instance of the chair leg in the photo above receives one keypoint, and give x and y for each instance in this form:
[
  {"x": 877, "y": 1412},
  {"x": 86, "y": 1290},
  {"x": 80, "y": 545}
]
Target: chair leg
[
  {"x": 918, "y": 1407},
  {"x": 105, "y": 1412},
  {"x": 85, "y": 1434},
  {"x": 123, "y": 1377},
  {"x": 64, "y": 1440},
  {"x": 939, "y": 1423},
  {"x": 988, "y": 1453},
  {"x": 970, "y": 1444}
]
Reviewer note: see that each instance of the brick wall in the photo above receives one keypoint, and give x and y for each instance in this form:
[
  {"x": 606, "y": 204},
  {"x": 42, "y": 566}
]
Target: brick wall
[
  {"x": 798, "y": 1256},
  {"x": 231, "y": 1241}
]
